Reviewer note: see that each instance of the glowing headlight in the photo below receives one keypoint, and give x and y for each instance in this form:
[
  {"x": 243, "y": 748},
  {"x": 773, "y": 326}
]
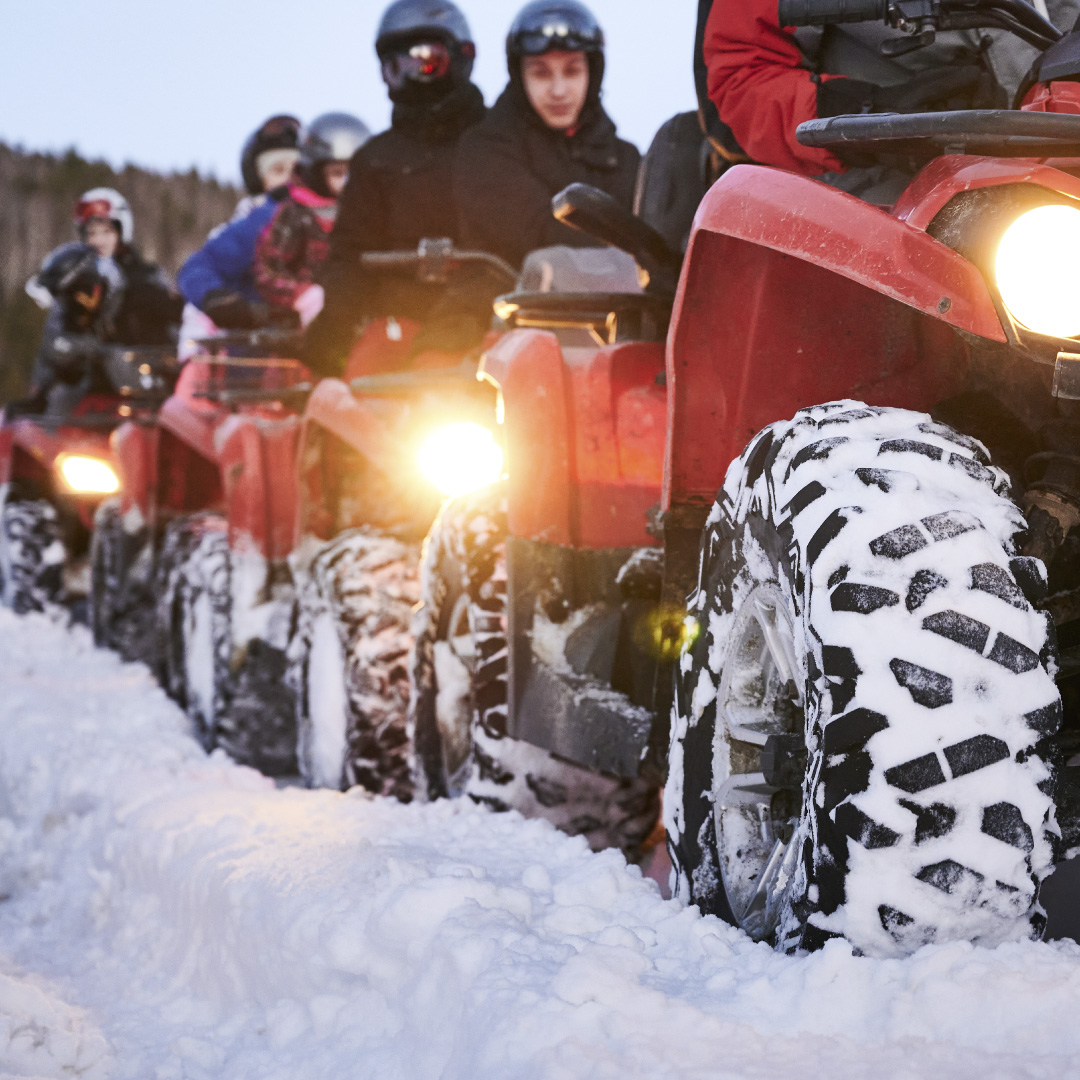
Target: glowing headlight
[
  {"x": 460, "y": 458},
  {"x": 1038, "y": 270},
  {"x": 88, "y": 475}
]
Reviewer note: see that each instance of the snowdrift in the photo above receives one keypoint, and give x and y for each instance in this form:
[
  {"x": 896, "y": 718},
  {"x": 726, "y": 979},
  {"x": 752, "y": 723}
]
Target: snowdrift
[{"x": 170, "y": 915}]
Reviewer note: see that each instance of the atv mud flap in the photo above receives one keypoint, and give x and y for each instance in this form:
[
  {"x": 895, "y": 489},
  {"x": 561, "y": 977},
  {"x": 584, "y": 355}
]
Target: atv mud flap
[
  {"x": 581, "y": 687},
  {"x": 581, "y": 720}
]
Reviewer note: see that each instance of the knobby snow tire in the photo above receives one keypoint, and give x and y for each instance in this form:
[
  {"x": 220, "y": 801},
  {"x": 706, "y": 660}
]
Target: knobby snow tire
[
  {"x": 348, "y": 663},
  {"x": 32, "y": 555},
  {"x": 926, "y": 680},
  {"x": 122, "y": 605},
  {"x": 458, "y": 711},
  {"x": 192, "y": 618}
]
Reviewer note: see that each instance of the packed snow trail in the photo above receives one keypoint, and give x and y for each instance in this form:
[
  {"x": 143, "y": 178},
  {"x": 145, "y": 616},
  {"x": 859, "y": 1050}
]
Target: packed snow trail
[{"x": 173, "y": 916}]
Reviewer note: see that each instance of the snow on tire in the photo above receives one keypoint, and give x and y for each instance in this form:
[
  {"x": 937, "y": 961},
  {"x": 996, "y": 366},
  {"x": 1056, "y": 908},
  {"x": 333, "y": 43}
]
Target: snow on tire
[
  {"x": 193, "y": 618},
  {"x": 348, "y": 663},
  {"x": 859, "y": 602},
  {"x": 458, "y": 711},
  {"x": 32, "y": 554},
  {"x": 121, "y": 586}
]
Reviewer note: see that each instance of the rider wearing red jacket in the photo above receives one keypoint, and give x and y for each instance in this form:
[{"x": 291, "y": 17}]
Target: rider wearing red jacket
[{"x": 765, "y": 80}]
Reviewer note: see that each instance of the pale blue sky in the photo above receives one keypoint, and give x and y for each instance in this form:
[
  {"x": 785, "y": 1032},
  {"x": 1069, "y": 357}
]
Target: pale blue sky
[{"x": 175, "y": 83}]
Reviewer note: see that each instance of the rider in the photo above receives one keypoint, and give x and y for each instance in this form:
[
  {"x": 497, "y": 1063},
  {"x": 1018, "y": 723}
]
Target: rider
[
  {"x": 216, "y": 280},
  {"x": 99, "y": 290},
  {"x": 547, "y": 130},
  {"x": 294, "y": 245},
  {"x": 765, "y": 81},
  {"x": 399, "y": 189}
]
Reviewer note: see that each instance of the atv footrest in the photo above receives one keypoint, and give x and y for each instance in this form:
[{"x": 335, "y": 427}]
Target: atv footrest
[{"x": 582, "y": 720}]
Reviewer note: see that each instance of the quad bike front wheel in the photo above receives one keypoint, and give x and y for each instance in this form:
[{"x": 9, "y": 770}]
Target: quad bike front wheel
[
  {"x": 236, "y": 696},
  {"x": 458, "y": 710},
  {"x": 348, "y": 663},
  {"x": 121, "y": 587},
  {"x": 858, "y": 746},
  {"x": 32, "y": 554},
  {"x": 192, "y": 619}
]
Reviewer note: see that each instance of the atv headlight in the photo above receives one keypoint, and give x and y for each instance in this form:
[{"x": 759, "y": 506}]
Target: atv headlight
[
  {"x": 1038, "y": 270},
  {"x": 460, "y": 458},
  {"x": 88, "y": 475}
]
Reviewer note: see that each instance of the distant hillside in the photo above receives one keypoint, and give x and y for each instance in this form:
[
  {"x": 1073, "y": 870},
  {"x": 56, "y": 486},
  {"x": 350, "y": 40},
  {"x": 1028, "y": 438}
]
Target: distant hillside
[{"x": 173, "y": 214}]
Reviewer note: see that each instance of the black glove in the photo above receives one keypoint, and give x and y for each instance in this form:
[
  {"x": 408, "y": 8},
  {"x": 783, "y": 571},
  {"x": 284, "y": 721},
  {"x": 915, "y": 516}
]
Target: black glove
[
  {"x": 966, "y": 87},
  {"x": 71, "y": 355},
  {"x": 230, "y": 311}
]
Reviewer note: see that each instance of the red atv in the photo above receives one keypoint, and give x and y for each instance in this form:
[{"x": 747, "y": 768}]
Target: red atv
[
  {"x": 875, "y": 675},
  {"x": 379, "y": 451},
  {"x": 56, "y": 467},
  {"x": 252, "y": 480},
  {"x": 189, "y": 561}
]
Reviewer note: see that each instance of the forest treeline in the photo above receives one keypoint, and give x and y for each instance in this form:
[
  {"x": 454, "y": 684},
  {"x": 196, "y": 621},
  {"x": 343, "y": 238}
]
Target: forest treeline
[{"x": 173, "y": 213}]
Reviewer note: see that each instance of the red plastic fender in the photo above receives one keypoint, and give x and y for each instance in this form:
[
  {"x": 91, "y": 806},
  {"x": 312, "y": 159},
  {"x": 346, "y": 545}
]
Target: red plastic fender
[
  {"x": 945, "y": 177},
  {"x": 527, "y": 366},
  {"x": 361, "y": 424},
  {"x": 135, "y": 447},
  {"x": 794, "y": 293},
  {"x": 257, "y": 457},
  {"x": 190, "y": 418}
]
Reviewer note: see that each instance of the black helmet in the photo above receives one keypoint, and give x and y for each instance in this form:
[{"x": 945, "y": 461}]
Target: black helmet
[
  {"x": 554, "y": 25},
  {"x": 88, "y": 284},
  {"x": 545, "y": 26},
  {"x": 331, "y": 137},
  {"x": 277, "y": 133},
  {"x": 426, "y": 49},
  {"x": 406, "y": 21}
]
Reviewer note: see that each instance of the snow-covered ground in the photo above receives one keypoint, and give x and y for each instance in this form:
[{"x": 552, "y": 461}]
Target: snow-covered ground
[{"x": 165, "y": 915}]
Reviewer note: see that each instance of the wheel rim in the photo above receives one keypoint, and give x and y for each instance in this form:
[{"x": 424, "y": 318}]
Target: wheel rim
[
  {"x": 455, "y": 661},
  {"x": 759, "y": 696}
]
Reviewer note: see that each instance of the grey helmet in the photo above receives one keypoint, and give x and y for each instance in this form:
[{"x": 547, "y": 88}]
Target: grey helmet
[{"x": 331, "y": 137}]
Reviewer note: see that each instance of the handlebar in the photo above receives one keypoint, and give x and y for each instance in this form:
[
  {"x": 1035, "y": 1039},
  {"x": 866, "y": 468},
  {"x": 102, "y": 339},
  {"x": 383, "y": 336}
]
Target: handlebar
[
  {"x": 828, "y": 12},
  {"x": 921, "y": 19},
  {"x": 434, "y": 260}
]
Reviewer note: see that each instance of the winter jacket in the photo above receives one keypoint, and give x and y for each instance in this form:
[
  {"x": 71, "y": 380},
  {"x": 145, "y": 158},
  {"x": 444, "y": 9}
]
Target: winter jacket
[
  {"x": 294, "y": 246},
  {"x": 150, "y": 307},
  {"x": 141, "y": 308},
  {"x": 764, "y": 79},
  {"x": 225, "y": 261},
  {"x": 509, "y": 167},
  {"x": 399, "y": 193}
]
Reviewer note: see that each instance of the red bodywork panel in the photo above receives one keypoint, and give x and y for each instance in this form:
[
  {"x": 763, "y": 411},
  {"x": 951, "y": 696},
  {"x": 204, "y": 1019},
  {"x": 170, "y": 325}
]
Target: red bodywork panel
[
  {"x": 945, "y": 177},
  {"x": 585, "y": 434},
  {"x": 206, "y": 455},
  {"x": 30, "y": 451},
  {"x": 360, "y": 424},
  {"x": 792, "y": 293}
]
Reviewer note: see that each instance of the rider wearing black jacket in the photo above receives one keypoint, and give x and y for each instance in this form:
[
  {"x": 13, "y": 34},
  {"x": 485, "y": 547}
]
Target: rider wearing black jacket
[
  {"x": 510, "y": 166},
  {"x": 399, "y": 189},
  {"x": 99, "y": 291}
]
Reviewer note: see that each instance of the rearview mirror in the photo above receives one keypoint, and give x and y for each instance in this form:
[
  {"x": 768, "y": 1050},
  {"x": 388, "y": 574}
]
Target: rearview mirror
[{"x": 593, "y": 211}]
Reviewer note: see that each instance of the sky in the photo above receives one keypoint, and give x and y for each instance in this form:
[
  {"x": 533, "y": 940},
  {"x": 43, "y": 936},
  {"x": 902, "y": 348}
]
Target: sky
[{"x": 182, "y": 83}]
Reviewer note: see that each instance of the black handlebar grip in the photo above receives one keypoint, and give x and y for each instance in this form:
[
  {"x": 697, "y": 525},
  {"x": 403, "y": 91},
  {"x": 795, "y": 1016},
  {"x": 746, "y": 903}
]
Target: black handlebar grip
[{"x": 826, "y": 12}]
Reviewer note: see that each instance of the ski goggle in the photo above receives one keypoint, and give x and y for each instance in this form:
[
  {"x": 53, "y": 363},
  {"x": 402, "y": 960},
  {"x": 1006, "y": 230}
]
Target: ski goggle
[
  {"x": 424, "y": 62},
  {"x": 557, "y": 36},
  {"x": 93, "y": 208}
]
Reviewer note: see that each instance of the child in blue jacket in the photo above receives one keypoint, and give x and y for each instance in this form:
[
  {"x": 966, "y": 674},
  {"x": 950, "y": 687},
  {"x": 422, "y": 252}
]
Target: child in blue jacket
[{"x": 217, "y": 280}]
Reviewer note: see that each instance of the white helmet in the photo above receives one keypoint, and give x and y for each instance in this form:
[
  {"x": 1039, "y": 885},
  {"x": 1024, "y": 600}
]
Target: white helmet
[{"x": 107, "y": 203}]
